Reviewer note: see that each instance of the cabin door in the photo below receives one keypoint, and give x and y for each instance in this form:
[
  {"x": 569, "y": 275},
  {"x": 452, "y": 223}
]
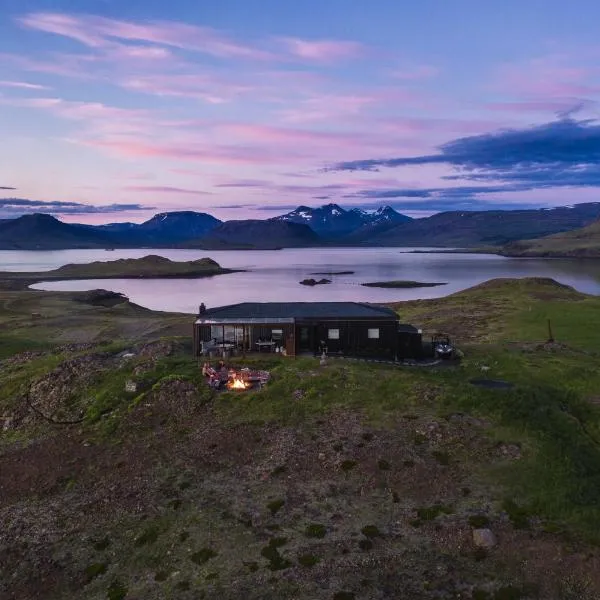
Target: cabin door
[{"x": 305, "y": 339}]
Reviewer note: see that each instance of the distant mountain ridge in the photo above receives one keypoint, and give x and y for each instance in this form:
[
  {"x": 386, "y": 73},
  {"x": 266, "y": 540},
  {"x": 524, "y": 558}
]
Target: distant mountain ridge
[
  {"x": 485, "y": 228},
  {"x": 302, "y": 227},
  {"x": 332, "y": 221}
]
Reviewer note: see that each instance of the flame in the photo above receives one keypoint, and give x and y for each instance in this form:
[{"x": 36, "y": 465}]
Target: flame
[{"x": 238, "y": 384}]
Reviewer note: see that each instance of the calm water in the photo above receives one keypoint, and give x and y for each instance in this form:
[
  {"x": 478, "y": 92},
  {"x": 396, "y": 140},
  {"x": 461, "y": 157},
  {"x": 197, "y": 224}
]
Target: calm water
[{"x": 274, "y": 275}]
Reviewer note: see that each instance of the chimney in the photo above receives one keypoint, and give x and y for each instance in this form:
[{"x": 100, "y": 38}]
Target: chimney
[{"x": 202, "y": 309}]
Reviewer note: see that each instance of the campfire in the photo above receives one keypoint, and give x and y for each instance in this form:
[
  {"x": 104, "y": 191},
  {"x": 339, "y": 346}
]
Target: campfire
[
  {"x": 237, "y": 383},
  {"x": 230, "y": 379}
]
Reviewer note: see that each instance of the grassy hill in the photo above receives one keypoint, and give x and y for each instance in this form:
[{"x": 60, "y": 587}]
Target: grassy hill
[
  {"x": 348, "y": 481},
  {"x": 579, "y": 243}
]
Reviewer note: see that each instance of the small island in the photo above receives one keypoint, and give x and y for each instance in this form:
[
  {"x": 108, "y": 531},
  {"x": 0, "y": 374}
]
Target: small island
[
  {"x": 148, "y": 267},
  {"x": 330, "y": 273},
  {"x": 401, "y": 284},
  {"x": 312, "y": 282}
]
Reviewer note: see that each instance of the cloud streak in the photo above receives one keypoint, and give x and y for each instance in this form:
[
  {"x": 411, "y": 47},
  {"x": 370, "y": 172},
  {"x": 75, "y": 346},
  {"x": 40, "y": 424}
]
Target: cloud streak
[
  {"x": 118, "y": 35},
  {"x": 165, "y": 189},
  {"x": 23, "y": 85},
  {"x": 21, "y": 206}
]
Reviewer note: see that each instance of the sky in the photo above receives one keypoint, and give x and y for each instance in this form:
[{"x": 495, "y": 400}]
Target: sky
[{"x": 114, "y": 110}]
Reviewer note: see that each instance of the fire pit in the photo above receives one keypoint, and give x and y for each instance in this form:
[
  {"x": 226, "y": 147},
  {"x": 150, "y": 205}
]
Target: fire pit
[{"x": 239, "y": 384}]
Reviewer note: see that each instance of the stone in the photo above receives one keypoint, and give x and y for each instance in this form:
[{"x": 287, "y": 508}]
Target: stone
[
  {"x": 130, "y": 386},
  {"x": 484, "y": 538}
]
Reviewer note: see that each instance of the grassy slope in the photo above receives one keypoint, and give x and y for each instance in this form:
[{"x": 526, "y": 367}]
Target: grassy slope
[
  {"x": 168, "y": 497},
  {"x": 147, "y": 267},
  {"x": 584, "y": 243}
]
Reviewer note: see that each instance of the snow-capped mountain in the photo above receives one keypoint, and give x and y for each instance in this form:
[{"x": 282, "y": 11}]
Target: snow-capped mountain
[{"x": 332, "y": 221}]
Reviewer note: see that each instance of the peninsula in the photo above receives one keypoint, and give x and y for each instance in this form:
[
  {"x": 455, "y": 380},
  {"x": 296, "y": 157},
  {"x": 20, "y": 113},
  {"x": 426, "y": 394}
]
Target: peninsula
[{"x": 148, "y": 267}]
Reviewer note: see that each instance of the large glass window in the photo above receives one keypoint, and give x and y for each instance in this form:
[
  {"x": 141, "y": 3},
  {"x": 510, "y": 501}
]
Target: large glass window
[
  {"x": 373, "y": 334},
  {"x": 333, "y": 334}
]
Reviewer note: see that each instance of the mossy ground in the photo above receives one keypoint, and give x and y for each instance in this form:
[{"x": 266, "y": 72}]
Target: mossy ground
[{"x": 177, "y": 492}]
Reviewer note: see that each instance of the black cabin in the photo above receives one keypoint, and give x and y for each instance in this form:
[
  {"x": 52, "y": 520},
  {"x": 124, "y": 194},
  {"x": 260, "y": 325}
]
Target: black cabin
[{"x": 343, "y": 328}]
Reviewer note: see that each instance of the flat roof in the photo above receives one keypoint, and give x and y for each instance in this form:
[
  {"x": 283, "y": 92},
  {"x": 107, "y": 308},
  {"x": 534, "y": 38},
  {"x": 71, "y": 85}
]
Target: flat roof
[{"x": 297, "y": 310}]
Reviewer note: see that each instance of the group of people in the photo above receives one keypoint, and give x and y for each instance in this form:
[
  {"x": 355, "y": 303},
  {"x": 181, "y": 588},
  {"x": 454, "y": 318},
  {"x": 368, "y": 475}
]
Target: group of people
[{"x": 216, "y": 377}]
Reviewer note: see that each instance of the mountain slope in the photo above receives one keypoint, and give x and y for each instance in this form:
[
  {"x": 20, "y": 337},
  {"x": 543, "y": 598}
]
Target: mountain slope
[
  {"x": 257, "y": 234},
  {"x": 163, "y": 229},
  {"x": 44, "y": 232},
  {"x": 579, "y": 243},
  {"x": 491, "y": 228},
  {"x": 332, "y": 221}
]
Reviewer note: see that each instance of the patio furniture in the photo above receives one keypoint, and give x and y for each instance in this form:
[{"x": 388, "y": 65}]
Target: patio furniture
[{"x": 266, "y": 346}]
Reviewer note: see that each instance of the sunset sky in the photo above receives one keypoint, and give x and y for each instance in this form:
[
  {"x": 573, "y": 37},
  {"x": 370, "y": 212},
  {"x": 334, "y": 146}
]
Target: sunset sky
[{"x": 118, "y": 109}]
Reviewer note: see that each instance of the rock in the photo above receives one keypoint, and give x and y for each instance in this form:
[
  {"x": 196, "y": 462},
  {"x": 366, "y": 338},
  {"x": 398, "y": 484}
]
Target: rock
[
  {"x": 130, "y": 386},
  {"x": 484, "y": 538}
]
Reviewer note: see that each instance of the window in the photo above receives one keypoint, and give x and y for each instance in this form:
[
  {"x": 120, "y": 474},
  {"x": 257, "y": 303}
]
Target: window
[
  {"x": 333, "y": 334},
  {"x": 373, "y": 334},
  {"x": 277, "y": 334}
]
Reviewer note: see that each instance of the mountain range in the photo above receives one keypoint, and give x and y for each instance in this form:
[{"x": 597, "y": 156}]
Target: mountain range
[{"x": 325, "y": 225}]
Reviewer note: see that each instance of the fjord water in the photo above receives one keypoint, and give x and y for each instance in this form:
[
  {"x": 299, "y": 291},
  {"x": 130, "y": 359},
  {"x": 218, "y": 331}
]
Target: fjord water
[{"x": 274, "y": 275}]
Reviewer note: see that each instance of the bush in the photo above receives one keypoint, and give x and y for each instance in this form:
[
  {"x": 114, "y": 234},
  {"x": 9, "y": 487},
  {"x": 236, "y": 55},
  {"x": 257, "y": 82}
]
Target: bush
[
  {"x": 117, "y": 590},
  {"x": 203, "y": 556},
  {"x": 348, "y": 465},
  {"x": 478, "y": 521},
  {"x": 384, "y": 465},
  {"x": 275, "y": 506},
  {"x": 370, "y": 531},
  {"x": 315, "y": 530},
  {"x": 95, "y": 570},
  {"x": 308, "y": 560}
]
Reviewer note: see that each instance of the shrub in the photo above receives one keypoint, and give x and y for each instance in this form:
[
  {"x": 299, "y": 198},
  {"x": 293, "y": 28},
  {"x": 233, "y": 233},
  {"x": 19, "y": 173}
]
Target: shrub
[
  {"x": 148, "y": 536},
  {"x": 384, "y": 465},
  {"x": 117, "y": 590},
  {"x": 95, "y": 570},
  {"x": 442, "y": 457},
  {"x": 315, "y": 530},
  {"x": 517, "y": 514},
  {"x": 348, "y": 465},
  {"x": 203, "y": 556},
  {"x": 275, "y": 506},
  {"x": 102, "y": 544},
  {"x": 478, "y": 521},
  {"x": 431, "y": 512},
  {"x": 308, "y": 560},
  {"x": 365, "y": 544},
  {"x": 271, "y": 553},
  {"x": 370, "y": 531}
]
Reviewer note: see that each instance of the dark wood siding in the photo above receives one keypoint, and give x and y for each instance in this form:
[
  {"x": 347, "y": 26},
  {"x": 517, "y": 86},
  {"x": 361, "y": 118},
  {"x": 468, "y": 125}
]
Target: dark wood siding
[{"x": 353, "y": 339}]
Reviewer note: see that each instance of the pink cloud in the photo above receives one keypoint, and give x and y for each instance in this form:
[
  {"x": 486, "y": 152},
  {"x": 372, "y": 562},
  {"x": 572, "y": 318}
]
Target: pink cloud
[
  {"x": 23, "y": 85},
  {"x": 548, "y": 76},
  {"x": 324, "y": 51},
  {"x": 164, "y": 189},
  {"x": 97, "y": 32},
  {"x": 206, "y": 87},
  {"x": 202, "y": 153},
  {"x": 101, "y": 33}
]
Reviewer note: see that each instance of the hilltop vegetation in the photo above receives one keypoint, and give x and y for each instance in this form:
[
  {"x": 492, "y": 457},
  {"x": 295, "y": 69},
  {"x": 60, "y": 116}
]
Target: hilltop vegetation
[
  {"x": 579, "y": 243},
  {"x": 351, "y": 480}
]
